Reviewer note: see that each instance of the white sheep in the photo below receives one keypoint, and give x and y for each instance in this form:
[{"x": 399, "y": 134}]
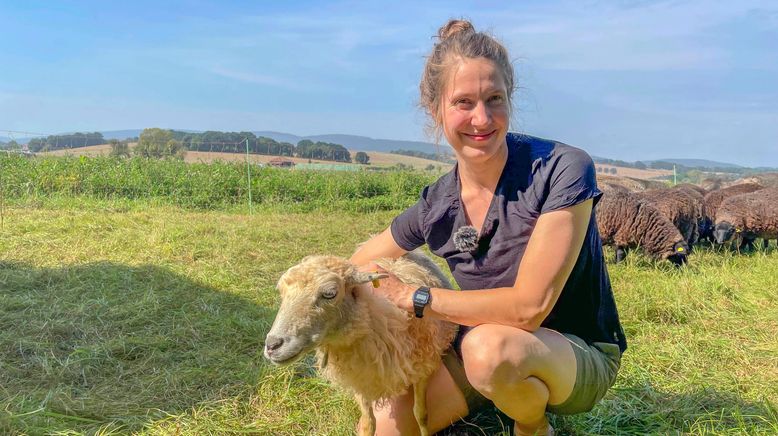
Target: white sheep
[{"x": 363, "y": 342}]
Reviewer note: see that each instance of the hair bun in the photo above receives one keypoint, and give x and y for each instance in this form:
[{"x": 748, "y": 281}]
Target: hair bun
[{"x": 453, "y": 27}]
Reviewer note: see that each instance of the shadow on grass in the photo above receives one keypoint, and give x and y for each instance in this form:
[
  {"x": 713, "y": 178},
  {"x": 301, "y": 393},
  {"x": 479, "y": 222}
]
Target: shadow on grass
[
  {"x": 643, "y": 410},
  {"x": 88, "y": 345}
]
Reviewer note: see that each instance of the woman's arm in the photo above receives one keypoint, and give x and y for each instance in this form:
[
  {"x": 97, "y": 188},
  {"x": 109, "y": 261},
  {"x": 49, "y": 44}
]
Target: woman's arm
[
  {"x": 549, "y": 258},
  {"x": 381, "y": 245}
]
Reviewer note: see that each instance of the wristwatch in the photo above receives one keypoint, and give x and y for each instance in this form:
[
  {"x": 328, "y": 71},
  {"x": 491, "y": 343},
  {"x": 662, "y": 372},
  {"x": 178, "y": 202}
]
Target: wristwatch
[{"x": 421, "y": 298}]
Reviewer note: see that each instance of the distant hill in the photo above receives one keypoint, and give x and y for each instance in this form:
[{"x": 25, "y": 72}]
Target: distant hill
[
  {"x": 364, "y": 143},
  {"x": 697, "y": 163}
]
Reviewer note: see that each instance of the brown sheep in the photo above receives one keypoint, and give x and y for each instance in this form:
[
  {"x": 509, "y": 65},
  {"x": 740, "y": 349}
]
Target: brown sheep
[
  {"x": 680, "y": 208},
  {"x": 689, "y": 186},
  {"x": 627, "y": 221},
  {"x": 746, "y": 217},
  {"x": 714, "y": 198},
  {"x": 363, "y": 342},
  {"x": 609, "y": 188}
]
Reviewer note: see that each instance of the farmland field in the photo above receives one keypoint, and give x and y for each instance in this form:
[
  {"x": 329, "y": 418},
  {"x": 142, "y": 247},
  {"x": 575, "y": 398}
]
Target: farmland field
[
  {"x": 377, "y": 158},
  {"x": 147, "y": 315}
]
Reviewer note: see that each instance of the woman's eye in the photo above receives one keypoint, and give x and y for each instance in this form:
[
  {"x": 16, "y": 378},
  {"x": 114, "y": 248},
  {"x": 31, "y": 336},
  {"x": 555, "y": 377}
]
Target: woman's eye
[
  {"x": 463, "y": 103},
  {"x": 496, "y": 99}
]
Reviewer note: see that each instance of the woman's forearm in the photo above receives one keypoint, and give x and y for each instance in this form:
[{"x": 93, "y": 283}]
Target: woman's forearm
[{"x": 506, "y": 306}]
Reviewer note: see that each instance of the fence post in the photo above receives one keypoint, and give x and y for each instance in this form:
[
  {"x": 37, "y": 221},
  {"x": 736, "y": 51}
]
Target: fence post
[{"x": 248, "y": 172}]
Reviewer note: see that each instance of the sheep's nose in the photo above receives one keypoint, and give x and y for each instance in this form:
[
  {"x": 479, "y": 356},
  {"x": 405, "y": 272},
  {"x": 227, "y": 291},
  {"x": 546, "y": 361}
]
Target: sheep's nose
[{"x": 273, "y": 343}]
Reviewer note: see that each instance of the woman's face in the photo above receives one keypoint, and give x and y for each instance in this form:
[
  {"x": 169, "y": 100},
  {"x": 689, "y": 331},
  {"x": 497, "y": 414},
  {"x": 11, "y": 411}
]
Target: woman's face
[{"x": 474, "y": 110}]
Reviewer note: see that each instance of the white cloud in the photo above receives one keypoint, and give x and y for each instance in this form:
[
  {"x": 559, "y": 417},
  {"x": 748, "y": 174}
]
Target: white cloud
[{"x": 256, "y": 78}]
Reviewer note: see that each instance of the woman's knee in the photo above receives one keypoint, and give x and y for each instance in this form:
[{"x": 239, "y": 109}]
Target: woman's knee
[{"x": 495, "y": 356}]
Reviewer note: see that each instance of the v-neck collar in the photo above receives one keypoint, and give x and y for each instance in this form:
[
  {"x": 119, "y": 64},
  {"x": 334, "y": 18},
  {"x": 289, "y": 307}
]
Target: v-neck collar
[{"x": 488, "y": 225}]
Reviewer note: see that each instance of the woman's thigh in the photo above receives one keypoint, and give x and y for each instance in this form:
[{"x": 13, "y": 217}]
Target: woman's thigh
[
  {"x": 497, "y": 357},
  {"x": 445, "y": 405}
]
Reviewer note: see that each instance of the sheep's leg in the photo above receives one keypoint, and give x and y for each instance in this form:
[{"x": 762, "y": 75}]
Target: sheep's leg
[
  {"x": 366, "y": 426},
  {"x": 621, "y": 254},
  {"x": 420, "y": 405}
]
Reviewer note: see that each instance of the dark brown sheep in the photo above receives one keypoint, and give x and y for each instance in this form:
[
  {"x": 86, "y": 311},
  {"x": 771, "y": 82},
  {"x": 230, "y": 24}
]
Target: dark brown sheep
[
  {"x": 714, "y": 198},
  {"x": 627, "y": 221},
  {"x": 746, "y": 217},
  {"x": 610, "y": 188},
  {"x": 680, "y": 208},
  {"x": 689, "y": 186}
]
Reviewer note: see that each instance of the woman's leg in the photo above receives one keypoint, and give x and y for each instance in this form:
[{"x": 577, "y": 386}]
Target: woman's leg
[
  {"x": 445, "y": 405},
  {"x": 521, "y": 372}
]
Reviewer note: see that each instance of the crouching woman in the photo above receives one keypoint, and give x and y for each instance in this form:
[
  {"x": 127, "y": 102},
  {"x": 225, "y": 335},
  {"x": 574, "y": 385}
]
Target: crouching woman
[{"x": 514, "y": 220}]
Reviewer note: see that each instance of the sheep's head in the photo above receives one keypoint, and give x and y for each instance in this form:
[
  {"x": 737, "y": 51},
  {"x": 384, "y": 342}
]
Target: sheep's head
[
  {"x": 680, "y": 253},
  {"x": 318, "y": 297},
  {"x": 724, "y": 232}
]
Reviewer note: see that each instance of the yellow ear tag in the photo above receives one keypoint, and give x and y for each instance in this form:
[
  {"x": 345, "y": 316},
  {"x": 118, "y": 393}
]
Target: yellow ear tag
[
  {"x": 738, "y": 230},
  {"x": 376, "y": 283},
  {"x": 679, "y": 249}
]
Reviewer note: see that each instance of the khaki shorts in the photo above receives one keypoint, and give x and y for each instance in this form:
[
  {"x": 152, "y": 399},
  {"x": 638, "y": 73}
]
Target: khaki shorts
[{"x": 596, "y": 368}]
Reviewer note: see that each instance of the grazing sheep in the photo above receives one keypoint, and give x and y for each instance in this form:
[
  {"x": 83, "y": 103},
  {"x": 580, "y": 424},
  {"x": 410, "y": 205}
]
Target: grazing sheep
[
  {"x": 691, "y": 187},
  {"x": 714, "y": 198},
  {"x": 746, "y": 217},
  {"x": 630, "y": 183},
  {"x": 680, "y": 208},
  {"x": 608, "y": 187},
  {"x": 627, "y": 221},
  {"x": 768, "y": 180},
  {"x": 363, "y": 342}
]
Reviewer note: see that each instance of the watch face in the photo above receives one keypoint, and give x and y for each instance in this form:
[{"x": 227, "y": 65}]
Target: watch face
[{"x": 420, "y": 298}]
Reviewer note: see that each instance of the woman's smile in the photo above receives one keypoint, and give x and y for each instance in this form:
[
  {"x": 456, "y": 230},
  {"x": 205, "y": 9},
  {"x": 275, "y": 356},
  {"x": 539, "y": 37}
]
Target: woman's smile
[{"x": 480, "y": 136}]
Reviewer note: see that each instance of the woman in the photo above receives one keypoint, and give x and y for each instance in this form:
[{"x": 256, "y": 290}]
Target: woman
[{"x": 514, "y": 220}]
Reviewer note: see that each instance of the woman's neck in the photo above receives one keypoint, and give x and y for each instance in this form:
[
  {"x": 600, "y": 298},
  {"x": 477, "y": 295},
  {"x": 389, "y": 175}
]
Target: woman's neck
[{"x": 476, "y": 176}]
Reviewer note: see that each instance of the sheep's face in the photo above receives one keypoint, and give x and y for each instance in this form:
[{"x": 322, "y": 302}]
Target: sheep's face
[
  {"x": 724, "y": 232},
  {"x": 317, "y": 299},
  {"x": 680, "y": 253}
]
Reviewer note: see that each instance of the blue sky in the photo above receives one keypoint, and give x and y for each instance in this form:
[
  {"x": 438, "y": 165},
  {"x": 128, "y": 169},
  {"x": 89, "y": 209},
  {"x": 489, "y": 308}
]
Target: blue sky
[{"x": 622, "y": 79}]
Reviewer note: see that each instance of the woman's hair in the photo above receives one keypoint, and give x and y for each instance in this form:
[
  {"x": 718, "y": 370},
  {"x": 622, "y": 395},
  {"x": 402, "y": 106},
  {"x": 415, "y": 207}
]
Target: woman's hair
[{"x": 458, "y": 40}]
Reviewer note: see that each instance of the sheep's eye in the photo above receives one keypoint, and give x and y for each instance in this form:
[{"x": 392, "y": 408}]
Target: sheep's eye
[{"x": 329, "y": 293}]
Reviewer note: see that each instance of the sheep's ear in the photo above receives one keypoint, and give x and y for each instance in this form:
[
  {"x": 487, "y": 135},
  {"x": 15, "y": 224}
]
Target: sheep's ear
[{"x": 359, "y": 277}]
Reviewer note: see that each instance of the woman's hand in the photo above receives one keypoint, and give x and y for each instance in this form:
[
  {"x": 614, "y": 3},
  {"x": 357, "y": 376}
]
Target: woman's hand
[{"x": 392, "y": 288}]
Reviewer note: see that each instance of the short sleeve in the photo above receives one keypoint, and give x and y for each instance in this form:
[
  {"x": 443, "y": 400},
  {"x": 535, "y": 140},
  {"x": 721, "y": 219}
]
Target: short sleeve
[
  {"x": 407, "y": 227},
  {"x": 571, "y": 180}
]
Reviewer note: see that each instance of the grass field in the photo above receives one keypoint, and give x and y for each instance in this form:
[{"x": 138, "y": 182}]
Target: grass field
[{"x": 124, "y": 317}]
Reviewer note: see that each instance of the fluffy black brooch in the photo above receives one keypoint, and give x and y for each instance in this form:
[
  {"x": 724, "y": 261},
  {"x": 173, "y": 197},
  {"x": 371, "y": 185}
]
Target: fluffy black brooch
[{"x": 466, "y": 239}]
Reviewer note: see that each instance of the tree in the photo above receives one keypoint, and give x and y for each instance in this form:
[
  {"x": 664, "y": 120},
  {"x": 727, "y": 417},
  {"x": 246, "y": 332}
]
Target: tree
[
  {"x": 640, "y": 165},
  {"x": 429, "y": 167},
  {"x": 613, "y": 170},
  {"x": 158, "y": 143},
  {"x": 119, "y": 148},
  {"x": 362, "y": 158}
]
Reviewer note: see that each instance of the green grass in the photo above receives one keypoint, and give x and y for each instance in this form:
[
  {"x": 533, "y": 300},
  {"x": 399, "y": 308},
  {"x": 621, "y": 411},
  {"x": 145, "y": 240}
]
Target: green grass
[
  {"x": 202, "y": 186},
  {"x": 120, "y": 316}
]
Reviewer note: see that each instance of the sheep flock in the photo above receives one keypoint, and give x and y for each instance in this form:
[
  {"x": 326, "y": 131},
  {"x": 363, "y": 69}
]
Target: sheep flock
[{"x": 666, "y": 222}]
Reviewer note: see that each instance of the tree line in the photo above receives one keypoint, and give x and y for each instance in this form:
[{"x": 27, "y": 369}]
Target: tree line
[
  {"x": 59, "y": 142},
  {"x": 161, "y": 143}
]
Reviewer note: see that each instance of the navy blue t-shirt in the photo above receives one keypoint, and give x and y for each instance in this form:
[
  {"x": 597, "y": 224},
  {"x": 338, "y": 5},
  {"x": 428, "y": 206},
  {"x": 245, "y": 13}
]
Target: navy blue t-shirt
[{"x": 539, "y": 176}]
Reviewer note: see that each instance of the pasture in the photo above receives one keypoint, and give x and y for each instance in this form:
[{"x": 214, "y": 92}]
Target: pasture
[{"x": 132, "y": 314}]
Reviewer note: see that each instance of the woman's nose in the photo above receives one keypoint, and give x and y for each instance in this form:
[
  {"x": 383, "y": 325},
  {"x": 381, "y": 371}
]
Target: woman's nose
[{"x": 481, "y": 115}]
